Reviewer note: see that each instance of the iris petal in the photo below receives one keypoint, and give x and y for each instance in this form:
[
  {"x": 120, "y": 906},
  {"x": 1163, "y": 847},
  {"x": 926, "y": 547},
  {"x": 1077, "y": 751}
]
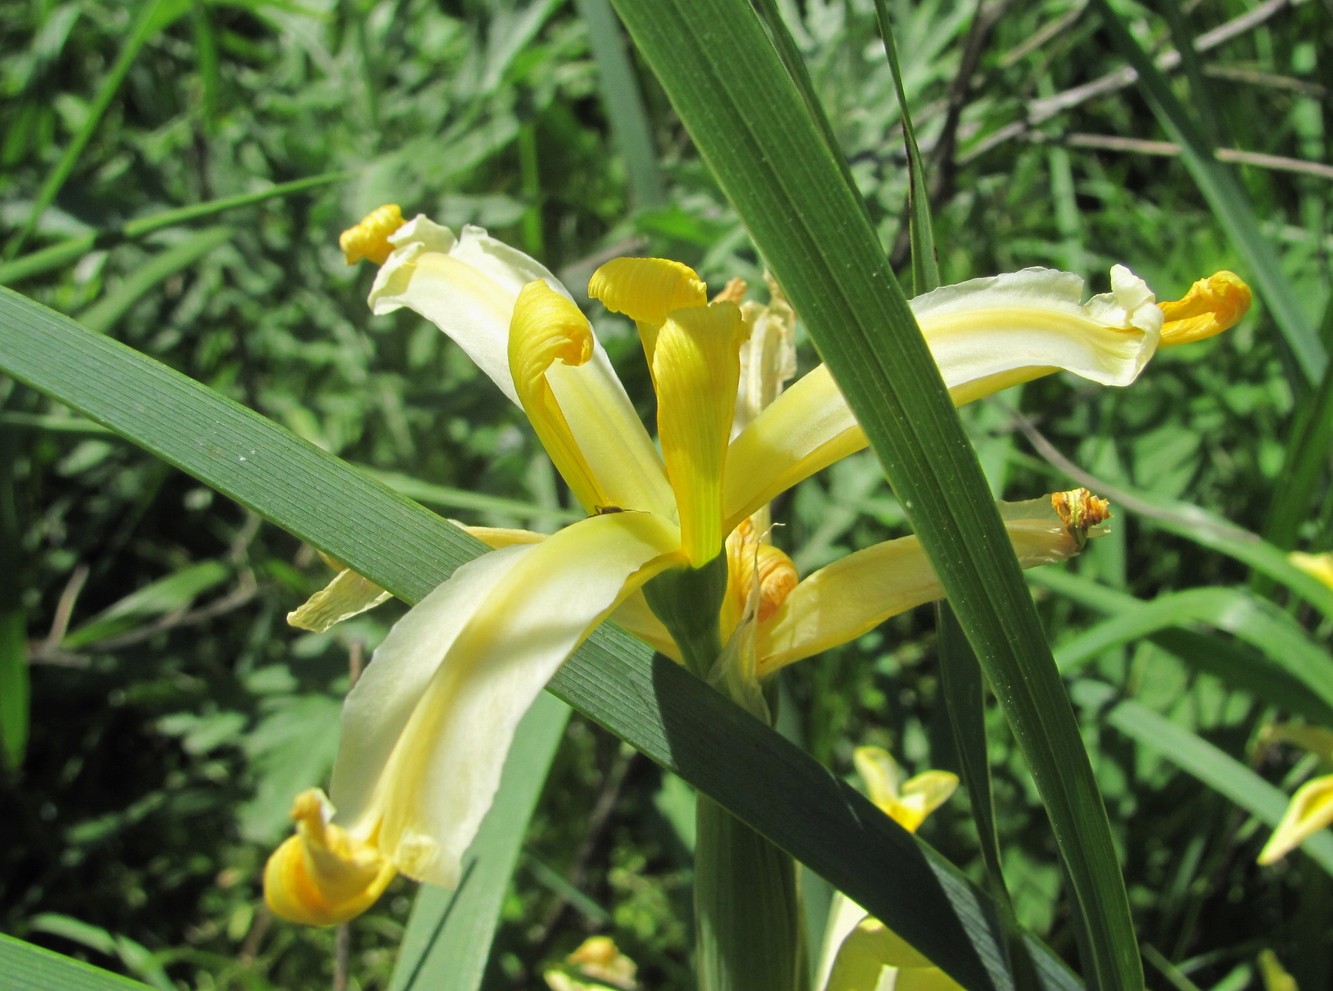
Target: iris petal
[
  {"x": 856, "y": 593},
  {"x": 985, "y": 335},
  {"x": 427, "y": 727}
]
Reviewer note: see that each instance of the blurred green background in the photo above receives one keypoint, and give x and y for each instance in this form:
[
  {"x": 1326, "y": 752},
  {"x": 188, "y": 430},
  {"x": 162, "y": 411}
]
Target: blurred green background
[{"x": 173, "y": 714}]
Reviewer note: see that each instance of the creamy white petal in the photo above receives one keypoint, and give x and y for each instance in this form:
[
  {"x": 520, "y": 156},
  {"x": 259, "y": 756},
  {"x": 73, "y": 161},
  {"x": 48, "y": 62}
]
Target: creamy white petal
[
  {"x": 426, "y": 729},
  {"x": 465, "y": 285},
  {"x": 985, "y": 335}
]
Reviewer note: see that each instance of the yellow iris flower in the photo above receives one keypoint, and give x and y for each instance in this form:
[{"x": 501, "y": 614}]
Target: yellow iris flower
[
  {"x": 860, "y": 952},
  {"x": 426, "y": 728}
]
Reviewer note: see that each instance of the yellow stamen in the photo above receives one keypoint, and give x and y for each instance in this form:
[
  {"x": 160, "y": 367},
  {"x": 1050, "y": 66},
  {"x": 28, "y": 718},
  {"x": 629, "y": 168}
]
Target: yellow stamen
[
  {"x": 754, "y": 566},
  {"x": 1079, "y": 510},
  {"x": 696, "y": 367},
  {"x": 370, "y": 238},
  {"x": 323, "y": 875},
  {"x": 1210, "y": 307},
  {"x": 547, "y": 328},
  {"x": 732, "y": 292}
]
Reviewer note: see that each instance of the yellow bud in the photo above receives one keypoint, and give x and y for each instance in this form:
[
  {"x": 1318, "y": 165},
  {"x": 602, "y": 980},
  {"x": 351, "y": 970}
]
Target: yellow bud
[{"x": 370, "y": 238}]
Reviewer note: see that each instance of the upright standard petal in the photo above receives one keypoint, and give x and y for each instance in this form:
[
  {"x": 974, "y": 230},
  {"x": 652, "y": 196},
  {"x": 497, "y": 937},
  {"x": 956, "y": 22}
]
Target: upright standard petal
[
  {"x": 579, "y": 408},
  {"x": 985, "y": 335},
  {"x": 696, "y": 367},
  {"x": 465, "y": 285},
  {"x": 426, "y": 729}
]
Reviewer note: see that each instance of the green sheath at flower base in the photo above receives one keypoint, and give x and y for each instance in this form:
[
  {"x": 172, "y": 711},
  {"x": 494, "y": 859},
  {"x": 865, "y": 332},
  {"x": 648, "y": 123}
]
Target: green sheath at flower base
[{"x": 427, "y": 727}]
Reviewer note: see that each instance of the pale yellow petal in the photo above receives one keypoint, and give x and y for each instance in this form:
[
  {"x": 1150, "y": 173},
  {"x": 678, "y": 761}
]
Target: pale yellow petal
[
  {"x": 496, "y": 537},
  {"x": 426, "y": 728},
  {"x": 346, "y": 596},
  {"x": 1275, "y": 975},
  {"x": 985, "y": 335},
  {"x": 856, "y": 593},
  {"x": 1319, "y": 565},
  {"x": 906, "y": 803},
  {"x": 465, "y": 285}
]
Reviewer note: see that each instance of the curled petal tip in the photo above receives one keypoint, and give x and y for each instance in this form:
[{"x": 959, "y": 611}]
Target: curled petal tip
[
  {"x": 323, "y": 875},
  {"x": 647, "y": 289},
  {"x": 370, "y": 238},
  {"x": 1211, "y": 306}
]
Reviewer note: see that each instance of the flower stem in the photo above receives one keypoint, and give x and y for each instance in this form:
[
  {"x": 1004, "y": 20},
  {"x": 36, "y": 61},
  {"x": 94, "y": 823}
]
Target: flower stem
[{"x": 749, "y": 933}]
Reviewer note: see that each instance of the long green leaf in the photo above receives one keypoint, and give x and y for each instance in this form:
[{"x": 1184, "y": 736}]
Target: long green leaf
[
  {"x": 651, "y": 703},
  {"x": 32, "y": 968},
  {"x": 728, "y": 82}
]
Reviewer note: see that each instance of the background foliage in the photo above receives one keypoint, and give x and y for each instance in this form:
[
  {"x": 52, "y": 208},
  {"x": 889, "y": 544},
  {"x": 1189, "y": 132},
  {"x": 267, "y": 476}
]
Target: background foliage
[{"x": 173, "y": 714}]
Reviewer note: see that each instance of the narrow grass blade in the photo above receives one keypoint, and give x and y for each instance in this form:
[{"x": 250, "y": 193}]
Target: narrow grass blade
[
  {"x": 766, "y": 146},
  {"x": 1308, "y": 458},
  {"x": 103, "y": 314},
  {"x": 965, "y": 699},
  {"x": 1279, "y": 639},
  {"x": 14, "y": 684},
  {"x": 925, "y": 264},
  {"x": 651, "y": 703},
  {"x": 166, "y": 595},
  {"x": 31, "y": 968},
  {"x": 449, "y": 935},
  {"x": 1304, "y": 354},
  {"x": 69, "y": 251},
  {"x": 1248, "y": 662},
  {"x": 154, "y": 16},
  {"x": 623, "y": 102}
]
